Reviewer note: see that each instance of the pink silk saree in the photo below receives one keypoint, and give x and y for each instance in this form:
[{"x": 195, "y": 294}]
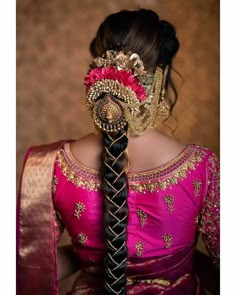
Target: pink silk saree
[
  {"x": 36, "y": 230},
  {"x": 168, "y": 206}
]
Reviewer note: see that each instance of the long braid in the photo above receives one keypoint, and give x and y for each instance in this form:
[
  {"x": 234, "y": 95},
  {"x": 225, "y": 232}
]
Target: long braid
[
  {"x": 122, "y": 90},
  {"x": 116, "y": 211}
]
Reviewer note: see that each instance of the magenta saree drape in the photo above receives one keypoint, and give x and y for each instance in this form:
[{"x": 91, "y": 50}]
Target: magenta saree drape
[
  {"x": 160, "y": 254},
  {"x": 170, "y": 275}
]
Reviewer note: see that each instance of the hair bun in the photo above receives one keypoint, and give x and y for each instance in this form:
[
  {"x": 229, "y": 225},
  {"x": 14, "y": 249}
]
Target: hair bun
[{"x": 169, "y": 44}]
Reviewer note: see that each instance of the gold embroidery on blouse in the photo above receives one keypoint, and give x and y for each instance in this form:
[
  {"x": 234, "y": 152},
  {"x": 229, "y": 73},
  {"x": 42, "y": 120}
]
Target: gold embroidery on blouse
[
  {"x": 79, "y": 208},
  {"x": 169, "y": 178},
  {"x": 82, "y": 239},
  {"x": 168, "y": 240},
  {"x": 77, "y": 180},
  {"x": 170, "y": 203},
  {"x": 142, "y": 217},
  {"x": 54, "y": 184},
  {"x": 139, "y": 248},
  {"x": 197, "y": 187},
  {"x": 152, "y": 180},
  {"x": 210, "y": 213}
]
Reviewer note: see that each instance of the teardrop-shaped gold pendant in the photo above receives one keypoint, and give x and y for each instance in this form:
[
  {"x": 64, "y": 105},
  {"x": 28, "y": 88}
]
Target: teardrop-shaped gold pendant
[{"x": 109, "y": 114}]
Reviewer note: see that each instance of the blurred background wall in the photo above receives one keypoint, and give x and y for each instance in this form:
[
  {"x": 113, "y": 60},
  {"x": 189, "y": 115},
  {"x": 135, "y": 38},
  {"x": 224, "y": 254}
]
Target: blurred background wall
[{"x": 52, "y": 58}]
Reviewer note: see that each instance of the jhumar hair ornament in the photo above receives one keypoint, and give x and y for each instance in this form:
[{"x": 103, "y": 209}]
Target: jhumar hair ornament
[
  {"x": 163, "y": 107},
  {"x": 119, "y": 91}
]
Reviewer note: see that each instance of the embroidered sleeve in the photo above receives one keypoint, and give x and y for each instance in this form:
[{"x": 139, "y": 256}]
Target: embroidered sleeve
[{"x": 210, "y": 213}]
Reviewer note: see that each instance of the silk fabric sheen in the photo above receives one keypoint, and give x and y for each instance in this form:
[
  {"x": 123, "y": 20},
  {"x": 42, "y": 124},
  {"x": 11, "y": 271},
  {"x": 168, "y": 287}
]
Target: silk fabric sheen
[
  {"x": 167, "y": 207},
  {"x": 36, "y": 253}
]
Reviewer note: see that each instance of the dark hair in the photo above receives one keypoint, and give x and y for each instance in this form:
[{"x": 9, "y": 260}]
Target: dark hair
[
  {"x": 140, "y": 31},
  {"x": 115, "y": 190},
  {"x": 155, "y": 41}
]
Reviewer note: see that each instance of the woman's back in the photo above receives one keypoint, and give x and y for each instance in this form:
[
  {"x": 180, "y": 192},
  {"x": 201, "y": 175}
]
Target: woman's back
[
  {"x": 176, "y": 192},
  {"x": 145, "y": 152},
  {"x": 131, "y": 198}
]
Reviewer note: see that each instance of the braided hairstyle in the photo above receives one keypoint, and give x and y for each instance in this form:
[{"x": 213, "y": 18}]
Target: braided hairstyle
[{"x": 155, "y": 41}]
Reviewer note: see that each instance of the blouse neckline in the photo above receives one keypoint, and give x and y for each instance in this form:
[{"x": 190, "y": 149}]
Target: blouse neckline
[
  {"x": 151, "y": 180},
  {"x": 179, "y": 159}
]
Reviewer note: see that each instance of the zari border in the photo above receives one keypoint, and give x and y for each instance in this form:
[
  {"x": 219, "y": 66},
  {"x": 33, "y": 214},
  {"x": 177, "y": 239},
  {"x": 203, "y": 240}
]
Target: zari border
[
  {"x": 36, "y": 240},
  {"x": 151, "y": 180},
  {"x": 79, "y": 180},
  {"x": 172, "y": 175}
]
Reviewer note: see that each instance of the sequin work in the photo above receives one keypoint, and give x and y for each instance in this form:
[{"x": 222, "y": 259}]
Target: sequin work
[
  {"x": 159, "y": 244},
  {"x": 82, "y": 239},
  {"x": 80, "y": 177},
  {"x": 150, "y": 181},
  {"x": 168, "y": 240},
  {"x": 142, "y": 217},
  {"x": 79, "y": 208},
  {"x": 210, "y": 214},
  {"x": 197, "y": 187},
  {"x": 168, "y": 175},
  {"x": 170, "y": 203},
  {"x": 139, "y": 248}
]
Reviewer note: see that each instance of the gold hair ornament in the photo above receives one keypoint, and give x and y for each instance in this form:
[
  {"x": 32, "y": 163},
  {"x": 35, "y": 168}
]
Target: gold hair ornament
[
  {"x": 120, "y": 91},
  {"x": 163, "y": 107}
]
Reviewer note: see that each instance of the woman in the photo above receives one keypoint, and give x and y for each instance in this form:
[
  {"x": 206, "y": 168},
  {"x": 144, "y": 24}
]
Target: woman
[{"x": 131, "y": 198}]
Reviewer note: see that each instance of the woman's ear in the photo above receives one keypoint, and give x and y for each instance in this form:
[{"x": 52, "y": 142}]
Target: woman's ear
[{"x": 165, "y": 72}]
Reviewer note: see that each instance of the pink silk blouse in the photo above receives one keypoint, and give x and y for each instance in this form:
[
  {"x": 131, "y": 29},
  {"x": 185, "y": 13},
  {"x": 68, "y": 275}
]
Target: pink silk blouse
[{"x": 168, "y": 206}]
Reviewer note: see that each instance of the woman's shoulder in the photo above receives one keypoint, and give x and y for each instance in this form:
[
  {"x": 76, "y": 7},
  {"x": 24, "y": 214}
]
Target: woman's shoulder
[
  {"x": 44, "y": 148},
  {"x": 209, "y": 158},
  {"x": 88, "y": 150},
  {"x": 161, "y": 149},
  {"x": 208, "y": 155}
]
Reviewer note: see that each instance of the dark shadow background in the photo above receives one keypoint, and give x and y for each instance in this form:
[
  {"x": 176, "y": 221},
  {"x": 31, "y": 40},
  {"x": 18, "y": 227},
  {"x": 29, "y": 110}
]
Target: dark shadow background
[{"x": 52, "y": 59}]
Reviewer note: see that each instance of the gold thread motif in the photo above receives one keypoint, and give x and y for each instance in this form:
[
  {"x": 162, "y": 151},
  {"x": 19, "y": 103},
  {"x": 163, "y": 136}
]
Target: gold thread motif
[
  {"x": 197, "y": 184},
  {"x": 79, "y": 208},
  {"x": 82, "y": 239},
  {"x": 170, "y": 203},
  {"x": 54, "y": 184},
  {"x": 70, "y": 175},
  {"x": 150, "y": 181},
  {"x": 168, "y": 240},
  {"x": 179, "y": 172},
  {"x": 142, "y": 217},
  {"x": 139, "y": 248},
  {"x": 210, "y": 213},
  {"x": 140, "y": 97}
]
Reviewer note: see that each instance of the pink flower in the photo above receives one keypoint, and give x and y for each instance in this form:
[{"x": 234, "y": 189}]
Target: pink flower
[{"x": 112, "y": 73}]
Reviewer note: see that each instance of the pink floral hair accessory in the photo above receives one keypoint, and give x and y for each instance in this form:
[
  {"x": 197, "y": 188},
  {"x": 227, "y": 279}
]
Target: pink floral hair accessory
[
  {"x": 123, "y": 76},
  {"x": 119, "y": 91}
]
